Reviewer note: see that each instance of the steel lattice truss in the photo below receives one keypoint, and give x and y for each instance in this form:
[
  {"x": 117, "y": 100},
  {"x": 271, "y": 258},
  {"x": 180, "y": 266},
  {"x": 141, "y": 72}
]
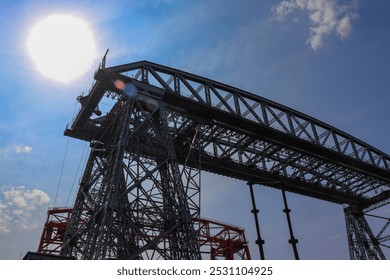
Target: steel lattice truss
[
  {"x": 217, "y": 240},
  {"x": 240, "y": 135},
  {"x": 222, "y": 241},
  {"x": 54, "y": 230},
  {"x": 363, "y": 243},
  {"x": 132, "y": 203}
]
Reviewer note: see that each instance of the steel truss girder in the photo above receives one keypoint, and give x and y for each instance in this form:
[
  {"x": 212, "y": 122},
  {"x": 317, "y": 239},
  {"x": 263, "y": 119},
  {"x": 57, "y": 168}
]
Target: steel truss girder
[
  {"x": 249, "y": 133},
  {"x": 132, "y": 202},
  {"x": 254, "y": 108}
]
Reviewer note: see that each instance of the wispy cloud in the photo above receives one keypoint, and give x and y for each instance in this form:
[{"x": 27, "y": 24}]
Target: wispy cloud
[
  {"x": 326, "y": 17},
  {"x": 23, "y": 149},
  {"x": 17, "y": 149},
  {"x": 335, "y": 237},
  {"x": 21, "y": 208}
]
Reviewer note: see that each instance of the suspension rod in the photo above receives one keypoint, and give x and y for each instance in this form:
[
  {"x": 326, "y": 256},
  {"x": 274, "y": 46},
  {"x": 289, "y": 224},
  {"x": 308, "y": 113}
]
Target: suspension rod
[
  {"x": 293, "y": 241},
  {"x": 260, "y": 242}
]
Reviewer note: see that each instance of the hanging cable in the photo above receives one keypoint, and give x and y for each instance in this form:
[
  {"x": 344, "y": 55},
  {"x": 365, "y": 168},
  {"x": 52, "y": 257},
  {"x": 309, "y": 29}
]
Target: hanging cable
[
  {"x": 75, "y": 176},
  {"x": 62, "y": 170},
  {"x": 193, "y": 143},
  {"x": 63, "y": 161},
  {"x": 197, "y": 129}
]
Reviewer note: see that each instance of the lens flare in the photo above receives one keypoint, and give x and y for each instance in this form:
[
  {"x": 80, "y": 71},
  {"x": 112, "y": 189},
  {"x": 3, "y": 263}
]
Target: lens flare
[{"x": 120, "y": 85}]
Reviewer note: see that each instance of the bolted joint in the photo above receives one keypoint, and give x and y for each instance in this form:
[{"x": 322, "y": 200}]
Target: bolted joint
[
  {"x": 260, "y": 241},
  {"x": 293, "y": 241},
  {"x": 353, "y": 210},
  {"x": 375, "y": 241}
]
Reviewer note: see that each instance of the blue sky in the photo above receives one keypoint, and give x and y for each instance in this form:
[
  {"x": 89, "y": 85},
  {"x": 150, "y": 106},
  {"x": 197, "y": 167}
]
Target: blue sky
[{"x": 328, "y": 59}]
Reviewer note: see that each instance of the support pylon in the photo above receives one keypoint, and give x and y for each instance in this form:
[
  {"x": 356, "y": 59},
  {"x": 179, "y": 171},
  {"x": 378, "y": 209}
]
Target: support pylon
[
  {"x": 132, "y": 202},
  {"x": 363, "y": 245}
]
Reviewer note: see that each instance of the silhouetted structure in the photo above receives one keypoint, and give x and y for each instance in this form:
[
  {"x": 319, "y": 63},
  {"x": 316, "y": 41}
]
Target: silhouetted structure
[{"x": 152, "y": 129}]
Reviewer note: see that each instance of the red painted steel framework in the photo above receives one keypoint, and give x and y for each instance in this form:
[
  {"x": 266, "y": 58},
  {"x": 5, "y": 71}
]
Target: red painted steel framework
[
  {"x": 218, "y": 240},
  {"x": 54, "y": 230}
]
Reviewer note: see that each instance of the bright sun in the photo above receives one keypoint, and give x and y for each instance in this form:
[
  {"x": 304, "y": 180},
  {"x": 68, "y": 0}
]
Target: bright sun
[{"x": 62, "y": 47}]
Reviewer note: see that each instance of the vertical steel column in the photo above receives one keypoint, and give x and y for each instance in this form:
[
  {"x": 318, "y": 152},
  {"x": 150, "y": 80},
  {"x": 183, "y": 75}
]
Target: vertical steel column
[
  {"x": 363, "y": 244},
  {"x": 260, "y": 242},
  {"x": 132, "y": 202},
  {"x": 293, "y": 241}
]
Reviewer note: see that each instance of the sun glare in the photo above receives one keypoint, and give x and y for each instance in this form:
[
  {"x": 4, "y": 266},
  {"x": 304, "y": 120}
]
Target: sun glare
[{"x": 62, "y": 47}]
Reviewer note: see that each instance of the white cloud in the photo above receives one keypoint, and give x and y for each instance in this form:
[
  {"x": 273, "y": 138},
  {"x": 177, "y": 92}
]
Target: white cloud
[
  {"x": 326, "y": 17},
  {"x": 17, "y": 149},
  {"x": 23, "y": 149},
  {"x": 21, "y": 208},
  {"x": 344, "y": 27}
]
